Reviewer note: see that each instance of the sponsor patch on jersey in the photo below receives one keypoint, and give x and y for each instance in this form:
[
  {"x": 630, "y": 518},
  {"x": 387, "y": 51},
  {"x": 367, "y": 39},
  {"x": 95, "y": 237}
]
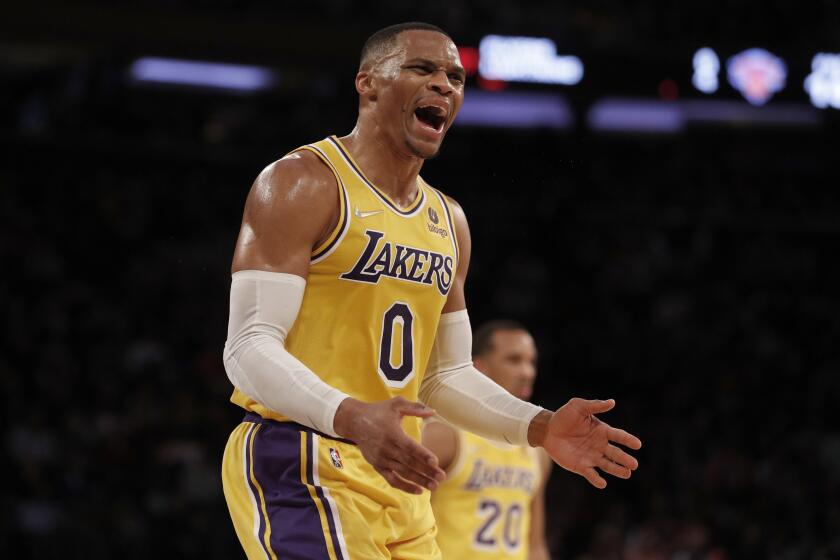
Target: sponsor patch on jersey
[
  {"x": 433, "y": 225},
  {"x": 438, "y": 230},
  {"x": 336, "y": 458},
  {"x": 433, "y": 216}
]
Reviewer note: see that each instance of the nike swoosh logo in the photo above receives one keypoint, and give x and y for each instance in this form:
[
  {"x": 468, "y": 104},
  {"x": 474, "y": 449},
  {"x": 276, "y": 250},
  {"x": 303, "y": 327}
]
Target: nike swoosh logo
[{"x": 360, "y": 214}]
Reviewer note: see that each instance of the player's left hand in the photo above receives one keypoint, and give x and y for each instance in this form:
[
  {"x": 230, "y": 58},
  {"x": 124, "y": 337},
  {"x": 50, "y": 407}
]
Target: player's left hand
[{"x": 580, "y": 442}]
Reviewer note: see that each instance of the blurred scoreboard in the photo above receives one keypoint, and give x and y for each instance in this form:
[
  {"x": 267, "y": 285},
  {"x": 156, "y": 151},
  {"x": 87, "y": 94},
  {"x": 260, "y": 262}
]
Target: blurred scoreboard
[
  {"x": 531, "y": 82},
  {"x": 754, "y": 74},
  {"x": 612, "y": 91}
]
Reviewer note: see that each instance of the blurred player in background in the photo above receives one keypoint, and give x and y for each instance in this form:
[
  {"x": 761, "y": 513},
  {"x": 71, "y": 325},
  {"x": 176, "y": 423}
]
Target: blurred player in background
[
  {"x": 492, "y": 504},
  {"x": 348, "y": 325}
]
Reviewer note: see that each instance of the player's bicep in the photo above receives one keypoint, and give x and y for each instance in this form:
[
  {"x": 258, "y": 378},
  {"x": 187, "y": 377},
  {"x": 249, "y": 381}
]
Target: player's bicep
[
  {"x": 291, "y": 206},
  {"x": 456, "y": 301}
]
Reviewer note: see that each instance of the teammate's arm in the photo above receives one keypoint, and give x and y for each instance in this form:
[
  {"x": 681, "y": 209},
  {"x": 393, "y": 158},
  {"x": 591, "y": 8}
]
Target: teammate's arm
[
  {"x": 572, "y": 436},
  {"x": 538, "y": 548},
  {"x": 442, "y": 440},
  {"x": 291, "y": 208}
]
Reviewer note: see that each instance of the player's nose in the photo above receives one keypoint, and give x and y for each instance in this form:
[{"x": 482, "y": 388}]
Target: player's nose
[
  {"x": 528, "y": 373},
  {"x": 439, "y": 82}
]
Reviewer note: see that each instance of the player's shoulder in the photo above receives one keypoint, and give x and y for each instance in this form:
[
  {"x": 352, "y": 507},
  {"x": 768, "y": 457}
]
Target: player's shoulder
[
  {"x": 459, "y": 217},
  {"x": 298, "y": 175}
]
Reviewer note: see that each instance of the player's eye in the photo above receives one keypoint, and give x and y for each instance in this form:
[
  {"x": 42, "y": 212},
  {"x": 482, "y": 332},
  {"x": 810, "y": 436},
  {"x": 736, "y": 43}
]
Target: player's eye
[
  {"x": 457, "y": 78},
  {"x": 420, "y": 68}
]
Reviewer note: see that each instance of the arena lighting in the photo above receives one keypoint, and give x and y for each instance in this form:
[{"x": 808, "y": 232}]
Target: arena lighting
[
  {"x": 823, "y": 84},
  {"x": 515, "y": 109},
  {"x": 635, "y": 115},
  {"x": 526, "y": 59},
  {"x": 706, "y": 68},
  {"x": 757, "y": 74},
  {"x": 653, "y": 116},
  {"x": 738, "y": 113},
  {"x": 216, "y": 75}
]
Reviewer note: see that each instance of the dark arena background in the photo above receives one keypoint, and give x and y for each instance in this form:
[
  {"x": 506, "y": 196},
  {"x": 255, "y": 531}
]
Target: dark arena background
[{"x": 652, "y": 188}]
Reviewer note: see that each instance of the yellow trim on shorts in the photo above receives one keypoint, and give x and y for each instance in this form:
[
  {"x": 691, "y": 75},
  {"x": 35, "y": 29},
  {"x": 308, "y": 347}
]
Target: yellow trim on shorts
[
  {"x": 238, "y": 494},
  {"x": 325, "y": 526}
]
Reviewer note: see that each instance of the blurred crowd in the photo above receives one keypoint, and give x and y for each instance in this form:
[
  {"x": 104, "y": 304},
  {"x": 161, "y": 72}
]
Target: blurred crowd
[
  {"x": 644, "y": 24},
  {"x": 703, "y": 300},
  {"x": 692, "y": 278}
]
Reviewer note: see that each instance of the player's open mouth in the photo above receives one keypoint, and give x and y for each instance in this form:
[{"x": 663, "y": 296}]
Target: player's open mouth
[{"x": 431, "y": 117}]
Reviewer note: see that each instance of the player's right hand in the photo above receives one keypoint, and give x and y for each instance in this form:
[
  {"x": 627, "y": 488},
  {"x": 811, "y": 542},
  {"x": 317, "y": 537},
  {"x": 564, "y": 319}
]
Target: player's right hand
[
  {"x": 581, "y": 442},
  {"x": 376, "y": 429}
]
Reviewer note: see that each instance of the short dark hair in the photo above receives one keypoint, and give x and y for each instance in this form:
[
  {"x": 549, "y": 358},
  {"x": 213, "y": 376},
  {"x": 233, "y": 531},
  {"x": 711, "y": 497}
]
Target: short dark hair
[
  {"x": 483, "y": 337},
  {"x": 383, "y": 40}
]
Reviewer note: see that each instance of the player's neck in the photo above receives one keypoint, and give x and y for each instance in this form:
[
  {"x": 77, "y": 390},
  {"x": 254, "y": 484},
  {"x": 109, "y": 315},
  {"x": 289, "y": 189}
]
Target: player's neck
[{"x": 392, "y": 172}]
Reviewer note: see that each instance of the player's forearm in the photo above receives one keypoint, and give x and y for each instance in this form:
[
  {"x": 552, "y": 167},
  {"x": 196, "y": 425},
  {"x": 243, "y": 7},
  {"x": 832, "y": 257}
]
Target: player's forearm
[
  {"x": 347, "y": 416},
  {"x": 266, "y": 372},
  {"x": 263, "y": 308},
  {"x": 470, "y": 400},
  {"x": 464, "y": 396}
]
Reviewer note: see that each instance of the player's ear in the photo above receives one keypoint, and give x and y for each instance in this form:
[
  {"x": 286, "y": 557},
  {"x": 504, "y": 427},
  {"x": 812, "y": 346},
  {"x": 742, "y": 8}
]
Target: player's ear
[{"x": 365, "y": 84}]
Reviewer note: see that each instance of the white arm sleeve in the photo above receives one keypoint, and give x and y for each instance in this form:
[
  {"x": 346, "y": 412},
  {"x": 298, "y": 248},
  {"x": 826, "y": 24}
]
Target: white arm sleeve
[
  {"x": 263, "y": 308},
  {"x": 464, "y": 396}
]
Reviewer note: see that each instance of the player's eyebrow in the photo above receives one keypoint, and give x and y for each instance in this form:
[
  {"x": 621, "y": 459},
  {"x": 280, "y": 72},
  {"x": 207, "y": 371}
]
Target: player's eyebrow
[{"x": 452, "y": 67}]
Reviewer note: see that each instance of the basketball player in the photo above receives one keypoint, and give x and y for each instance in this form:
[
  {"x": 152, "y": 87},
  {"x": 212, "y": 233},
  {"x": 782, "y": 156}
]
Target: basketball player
[
  {"x": 348, "y": 326},
  {"x": 491, "y": 505}
]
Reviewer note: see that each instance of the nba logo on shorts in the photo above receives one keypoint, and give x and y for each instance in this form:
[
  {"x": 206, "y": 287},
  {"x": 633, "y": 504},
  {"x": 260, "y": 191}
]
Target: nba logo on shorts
[{"x": 336, "y": 458}]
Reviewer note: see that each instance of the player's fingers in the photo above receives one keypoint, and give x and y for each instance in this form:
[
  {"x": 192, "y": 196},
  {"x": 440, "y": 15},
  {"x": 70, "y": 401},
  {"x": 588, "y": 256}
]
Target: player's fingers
[
  {"x": 624, "y": 438},
  {"x": 419, "y": 458},
  {"x": 398, "y": 482},
  {"x": 419, "y": 473},
  {"x": 621, "y": 457},
  {"x": 613, "y": 468},
  {"x": 594, "y": 478},
  {"x": 410, "y": 408},
  {"x": 407, "y": 473},
  {"x": 596, "y": 406}
]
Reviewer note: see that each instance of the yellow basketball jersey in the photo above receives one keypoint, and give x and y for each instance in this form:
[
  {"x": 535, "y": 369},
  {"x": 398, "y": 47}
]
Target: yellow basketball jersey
[
  {"x": 483, "y": 509},
  {"x": 375, "y": 290}
]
